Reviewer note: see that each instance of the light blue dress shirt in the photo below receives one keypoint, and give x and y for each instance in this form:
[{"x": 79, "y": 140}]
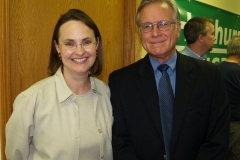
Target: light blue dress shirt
[
  {"x": 171, "y": 70},
  {"x": 187, "y": 51}
]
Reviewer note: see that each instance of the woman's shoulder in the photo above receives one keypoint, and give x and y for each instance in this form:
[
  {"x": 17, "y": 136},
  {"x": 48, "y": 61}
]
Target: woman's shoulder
[
  {"x": 99, "y": 85},
  {"x": 98, "y": 81},
  {"x": 42, "y": 84}
]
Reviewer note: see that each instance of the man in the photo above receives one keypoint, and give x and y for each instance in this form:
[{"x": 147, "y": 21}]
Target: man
[
  {"x": 200, "y": 121},
  {"x": 230, "y": 70},
  {"x": 199, "y": 34}
]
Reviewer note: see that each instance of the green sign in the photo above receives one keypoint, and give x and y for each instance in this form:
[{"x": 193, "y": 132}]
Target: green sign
[{"x": 226, "y": 25}]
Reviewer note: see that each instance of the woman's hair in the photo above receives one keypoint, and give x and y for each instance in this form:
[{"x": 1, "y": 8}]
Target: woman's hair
[{"x": 78, "y": 15}]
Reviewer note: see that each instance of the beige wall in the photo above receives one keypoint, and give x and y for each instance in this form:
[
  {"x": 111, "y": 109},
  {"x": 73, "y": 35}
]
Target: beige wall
[{"x": 228, "y": 5}]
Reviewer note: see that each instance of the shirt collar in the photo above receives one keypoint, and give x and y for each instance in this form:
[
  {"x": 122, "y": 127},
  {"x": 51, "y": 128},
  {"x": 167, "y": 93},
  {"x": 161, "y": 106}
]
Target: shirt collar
[
  {"x": 171, "y": 62},
  {"x": 95, "y": 90},
  {"x": 63, "y": 91},
  {"x": 195, "y": 55}
]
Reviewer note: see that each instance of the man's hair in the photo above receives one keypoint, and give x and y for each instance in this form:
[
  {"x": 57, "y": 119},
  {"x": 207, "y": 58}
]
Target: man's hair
[
  {"x": 171, "y": 3},
  {"x": 194, "y": 27},
  {"x": 234, "y": 46}
]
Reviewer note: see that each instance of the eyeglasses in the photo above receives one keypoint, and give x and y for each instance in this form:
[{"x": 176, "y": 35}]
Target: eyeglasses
[
  {"x": 72, "y": 46},
  {"x": 162, "y": 26}
]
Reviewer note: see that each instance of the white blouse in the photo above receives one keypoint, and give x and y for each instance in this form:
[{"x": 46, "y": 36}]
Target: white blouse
[{"x": 45, "y": 123}]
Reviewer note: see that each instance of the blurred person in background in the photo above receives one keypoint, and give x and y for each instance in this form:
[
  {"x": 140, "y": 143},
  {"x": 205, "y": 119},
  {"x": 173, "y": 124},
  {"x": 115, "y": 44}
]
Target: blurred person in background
[
  {"x": 199, "y": 35},
  {"x": 230, "y": 70}
]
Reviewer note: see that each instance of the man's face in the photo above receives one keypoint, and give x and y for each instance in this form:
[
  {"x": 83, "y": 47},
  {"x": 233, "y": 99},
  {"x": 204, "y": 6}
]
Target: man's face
[
  {"x": 209, "y": 38},
  {"x": 159, "y": 44}
]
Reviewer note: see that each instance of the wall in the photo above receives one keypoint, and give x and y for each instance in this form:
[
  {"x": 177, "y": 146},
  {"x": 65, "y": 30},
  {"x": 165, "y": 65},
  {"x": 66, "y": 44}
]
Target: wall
[
  {"x": 31, "y": 30},
  {"x": 227, "y": 5},
  {"x": 5, "y": 100}
]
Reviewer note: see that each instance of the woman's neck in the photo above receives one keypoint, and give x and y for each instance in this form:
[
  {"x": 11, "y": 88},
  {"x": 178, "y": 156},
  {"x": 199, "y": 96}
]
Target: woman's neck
[{"x": 79, "y": 83}]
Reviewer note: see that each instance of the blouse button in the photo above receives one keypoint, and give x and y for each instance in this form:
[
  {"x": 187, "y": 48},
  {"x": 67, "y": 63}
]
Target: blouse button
[
  {"x": 102, "y": 157},
  {"x": 99, "y": 130}
]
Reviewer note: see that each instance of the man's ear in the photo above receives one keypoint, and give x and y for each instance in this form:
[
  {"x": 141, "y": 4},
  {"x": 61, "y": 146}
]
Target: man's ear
[
  {"x": 200, "y": 37},
  {"x": 178, "y": 27}
]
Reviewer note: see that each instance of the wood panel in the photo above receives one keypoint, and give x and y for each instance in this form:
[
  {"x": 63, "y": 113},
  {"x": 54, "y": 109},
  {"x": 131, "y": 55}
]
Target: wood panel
[
  {"x": 32, "y": 24},
  {"x": 132, "y": 44},
  {"x": 28, "y": 25},
  {"x": 5, "y": 101}
]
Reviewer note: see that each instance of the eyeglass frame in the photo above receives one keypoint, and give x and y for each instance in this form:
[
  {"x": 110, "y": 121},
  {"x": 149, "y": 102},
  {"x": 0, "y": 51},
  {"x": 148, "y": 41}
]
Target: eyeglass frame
[
  {"x": 141, "y": 26},
  {"x": 75, "y": 46}
]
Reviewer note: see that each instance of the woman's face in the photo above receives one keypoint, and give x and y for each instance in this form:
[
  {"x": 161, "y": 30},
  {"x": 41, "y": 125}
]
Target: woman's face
[{"x": 77, "y": 47}]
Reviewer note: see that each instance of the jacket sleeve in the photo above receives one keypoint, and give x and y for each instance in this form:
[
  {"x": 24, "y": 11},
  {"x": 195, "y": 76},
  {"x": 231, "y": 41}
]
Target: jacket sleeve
[
  {"x": 121, "y": 142},
  {"x": 216, "y": 142}
]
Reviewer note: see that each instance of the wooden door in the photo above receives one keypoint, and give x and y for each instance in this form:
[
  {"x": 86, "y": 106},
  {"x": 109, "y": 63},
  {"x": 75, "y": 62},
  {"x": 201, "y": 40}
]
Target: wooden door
[
  {"x": 5, "y": 87},
  {"x": 32, "y": 24},
  {"x": 27, "y": 27}
]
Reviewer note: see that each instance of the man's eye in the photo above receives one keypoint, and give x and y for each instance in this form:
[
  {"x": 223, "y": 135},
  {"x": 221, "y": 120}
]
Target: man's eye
[
  {"x": 162, "y": 24},
  {"x": 147, "y": 26}
]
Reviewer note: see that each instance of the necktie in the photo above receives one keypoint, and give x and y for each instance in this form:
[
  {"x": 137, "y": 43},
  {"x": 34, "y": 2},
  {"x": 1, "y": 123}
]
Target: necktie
[{"x": 166, "y": 102}]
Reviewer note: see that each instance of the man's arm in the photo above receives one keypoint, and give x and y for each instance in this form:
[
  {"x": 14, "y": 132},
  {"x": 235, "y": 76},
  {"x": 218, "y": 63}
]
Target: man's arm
[
  {"x": 216, "y": 143},
  {"x": 121, "y": 142}
]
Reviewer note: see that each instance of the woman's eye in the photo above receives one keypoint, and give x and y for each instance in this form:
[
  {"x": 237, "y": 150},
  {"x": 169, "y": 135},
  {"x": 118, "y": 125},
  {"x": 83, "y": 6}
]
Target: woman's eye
[
  {"x": 87, "y": 42},
  {"x": 69, "y": 44}
]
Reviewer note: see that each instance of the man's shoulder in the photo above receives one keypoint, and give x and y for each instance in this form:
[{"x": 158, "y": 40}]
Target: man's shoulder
[
  {"x": 184, "y": 51},
  {"x": 193, "y": 62},
  {"x": 134, "y": 67}
]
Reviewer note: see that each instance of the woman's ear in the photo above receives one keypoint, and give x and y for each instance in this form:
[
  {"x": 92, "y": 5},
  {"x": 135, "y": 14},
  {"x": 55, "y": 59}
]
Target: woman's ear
[
  {"x": 56, "y": 46},
  {"x": 97, "y": 42}
]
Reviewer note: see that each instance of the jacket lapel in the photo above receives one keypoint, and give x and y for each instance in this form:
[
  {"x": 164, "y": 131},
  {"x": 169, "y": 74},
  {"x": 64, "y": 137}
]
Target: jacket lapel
[
  {"x": 147, "y": 88},
  {"x": 184, "y": 85}
]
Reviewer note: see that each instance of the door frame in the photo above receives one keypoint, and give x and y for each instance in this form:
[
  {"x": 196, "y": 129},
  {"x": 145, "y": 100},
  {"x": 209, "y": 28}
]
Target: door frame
[{"x": 5, "y": 96}]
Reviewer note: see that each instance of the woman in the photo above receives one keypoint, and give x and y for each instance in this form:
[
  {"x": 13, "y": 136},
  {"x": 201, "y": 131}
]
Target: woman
[{"x": 67, "y": 116}]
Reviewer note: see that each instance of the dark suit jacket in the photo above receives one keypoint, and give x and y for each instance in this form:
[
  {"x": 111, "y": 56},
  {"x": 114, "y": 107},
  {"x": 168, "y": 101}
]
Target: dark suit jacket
[{"x": 201, "y": 112}]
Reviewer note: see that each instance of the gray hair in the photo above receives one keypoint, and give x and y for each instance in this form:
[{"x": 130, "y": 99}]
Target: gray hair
[
  {"x": 171, "y": 3},
  {"x": 234, "y": 46}
]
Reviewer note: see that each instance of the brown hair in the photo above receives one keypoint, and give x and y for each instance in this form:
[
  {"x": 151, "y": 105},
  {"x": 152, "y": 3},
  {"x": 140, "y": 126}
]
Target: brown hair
[
  {"x": 75, "y": 14},
  {"x": 194, "y": 27}
]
